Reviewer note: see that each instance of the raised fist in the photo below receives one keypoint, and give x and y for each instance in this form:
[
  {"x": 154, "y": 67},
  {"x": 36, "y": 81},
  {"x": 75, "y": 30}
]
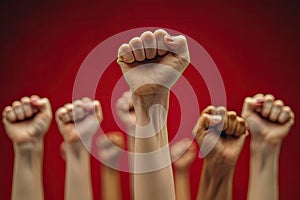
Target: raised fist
[
  {"x": 153, "y": 62},
  {"x": 109, "y": 148},
  {"x": 28, "y": 119},
  {"x": 79, "y": 120},
  {"x": 184, "y": 152},
  {"x": 269, "y": 120},
  {"x": 125, "y": 110},
  {"x": 220, "y": 135}
]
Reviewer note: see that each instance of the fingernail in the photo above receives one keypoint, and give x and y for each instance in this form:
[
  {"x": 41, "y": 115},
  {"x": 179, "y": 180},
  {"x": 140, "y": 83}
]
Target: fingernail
[
  {"x": 259, "y": 101},
  {"x": 216, "y": 118},
  {"x": 170, "y": 38}
]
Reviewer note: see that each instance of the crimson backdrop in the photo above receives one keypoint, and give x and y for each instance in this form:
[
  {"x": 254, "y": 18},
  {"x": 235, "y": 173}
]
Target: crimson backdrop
[{"x": 255, "y": 46}]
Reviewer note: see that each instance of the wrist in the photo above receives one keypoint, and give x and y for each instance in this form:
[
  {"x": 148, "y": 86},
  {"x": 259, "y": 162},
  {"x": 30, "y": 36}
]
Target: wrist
[
  {"x": 217, "y": 170},
  {"x": 142, "y": 105},
  {"x": 259, "y": 145},
  {"x": 35, "y": 147}
]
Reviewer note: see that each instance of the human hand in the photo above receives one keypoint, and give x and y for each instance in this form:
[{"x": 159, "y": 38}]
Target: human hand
[
  {"x": 79, "y": 120},
  {"x": 125, "y": 110},
  {"x": 269, "y": 120},
  {"x": 225, "y": 147},
  {"x": 184, "y": 152},
  {"x": 109, "y": 147},
  {"x": 153, "y": 62},
  {"x": 27, "y": 120}
]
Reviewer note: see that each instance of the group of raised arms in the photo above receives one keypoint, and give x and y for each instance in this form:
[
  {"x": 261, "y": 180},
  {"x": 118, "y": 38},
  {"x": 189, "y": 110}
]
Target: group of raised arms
[{"x": 151, "y": 65}]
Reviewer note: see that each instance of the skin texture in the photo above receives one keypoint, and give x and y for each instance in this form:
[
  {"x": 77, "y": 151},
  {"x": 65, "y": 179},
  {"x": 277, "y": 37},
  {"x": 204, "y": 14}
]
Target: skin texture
[
  {"x": 109, "y": 152},
  {"x": 26, "y": 122},
  {"x": 184, "y": 152},
  {"x": 77, "y": 123},
  {"x": 219, "y": 163},
  {"x": 269, "y": 122},
  {"x": 145, "y": 82},
  {"x": 126, "y": 113}
]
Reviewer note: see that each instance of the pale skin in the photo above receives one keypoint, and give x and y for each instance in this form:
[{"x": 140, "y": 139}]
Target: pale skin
[
  {"x": 145, "y": 82},
  {"x": 77, "y": 123},
  {"x": 26, "y": 122},
  {"x": 184, "y": 153},
  {"x": 270, "y": 122},
  {"x": 219, "y": 163},
  {"x": 109, "y": 150},
  {"x": 126, "y": 113}
]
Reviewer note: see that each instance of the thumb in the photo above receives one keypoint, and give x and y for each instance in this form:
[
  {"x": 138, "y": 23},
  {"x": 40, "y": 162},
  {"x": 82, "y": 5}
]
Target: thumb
[
  {"x": 251, "y": 104},
  {"x": 177, "y": 45},
  {"x": 42, "y": 104}
]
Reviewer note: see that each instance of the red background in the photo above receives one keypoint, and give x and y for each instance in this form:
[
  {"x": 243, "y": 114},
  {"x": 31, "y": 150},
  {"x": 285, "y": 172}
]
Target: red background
[{"x": 255, "y": 46}]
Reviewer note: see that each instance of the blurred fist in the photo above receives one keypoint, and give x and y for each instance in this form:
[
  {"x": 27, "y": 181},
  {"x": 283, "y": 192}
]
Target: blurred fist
[
  {"x": 79, "y": 120},
  {"x": 220, "y": 135},
  {"x": 109, "y": 148},
  {"x": 269, "y": 120},
  {"x": 153, "y": 60},
  {"x": 125, "y": 110},
  {"x": 28, "y": 119},
  {"x": 184, "y": 153}
]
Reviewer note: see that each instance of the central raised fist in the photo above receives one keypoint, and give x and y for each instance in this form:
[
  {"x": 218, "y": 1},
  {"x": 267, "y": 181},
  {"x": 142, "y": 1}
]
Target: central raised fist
[{"x": 153, "y": 62}]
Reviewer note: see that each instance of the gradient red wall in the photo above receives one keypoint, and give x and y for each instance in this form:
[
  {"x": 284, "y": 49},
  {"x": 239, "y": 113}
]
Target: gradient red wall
[{"x": 255, "y": 46}]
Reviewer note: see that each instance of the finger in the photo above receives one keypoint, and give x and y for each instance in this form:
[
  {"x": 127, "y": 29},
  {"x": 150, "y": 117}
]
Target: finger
[
  {"x": 267, "y": 105},
  {"x": 240, "y": 126},
  {"x": 98, "y": 110},
  {"x": 86, "y": 99},
  {"x": 125, "y": 54},
  {"x": 18, "y": 110},
  {"x": 69, "y": 107},
  {"x": 78, "y": 110},
  {"x": 231, "y": 116},
  {"x": 284, "y": 115},
  {"x": 162, "y": 49},
  {"x": 203, "y": 124},
  {"x": 8, "y": 114},
  {"x": 177, "y": 45},
  {"x": 26, "y": 104},
  {"x": 62, "y": 116},
  {"x": 252, "y": 104},
  {"x": 136, "y": 44},
  {"x": 149, "y": 43},
  {"x": 275, "y": 110},
  {"x": 42, "y": 104},
  {"x": 222, "y": 111},
  {"x": 210, "y": 110}
]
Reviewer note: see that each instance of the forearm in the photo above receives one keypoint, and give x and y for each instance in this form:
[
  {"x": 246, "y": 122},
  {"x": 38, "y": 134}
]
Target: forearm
[
  {"x": 263, "y": 181},
  {"x": 155, "y": 184},
  {"x": 111, "y": 183},
  {"x": 27, "y": 178},
  {"x": 78, "y": 175},
  {"x": 182, "y": 185},
  {"x": 216, "y": 182}
]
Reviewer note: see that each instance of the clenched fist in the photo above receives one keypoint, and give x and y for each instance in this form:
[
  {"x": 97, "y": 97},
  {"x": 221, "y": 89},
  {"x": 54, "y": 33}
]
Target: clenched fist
[
  {"x": 184, "y": 152},
  {"x": 153, "y": 62},
  {"x": 109, "y": 147},
  {"x": 125, "y": 110},
  {"x": 269, "y": 119},
  {"x": 79, "y": 120},
  {"x": 222, "y": 133},
  {"x": 27, "y": 120}
]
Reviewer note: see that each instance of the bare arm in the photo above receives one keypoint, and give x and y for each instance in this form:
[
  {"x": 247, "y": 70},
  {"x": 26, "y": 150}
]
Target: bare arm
[
  {"x": 269, "y": 122},
  {"x": 26, "y": 123},
  {"x": 78, "y": 122},
  {"x": 109, "y": 150},
  {"x": 183, "y": 153},
  {"x": 150, "y": 82}
]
